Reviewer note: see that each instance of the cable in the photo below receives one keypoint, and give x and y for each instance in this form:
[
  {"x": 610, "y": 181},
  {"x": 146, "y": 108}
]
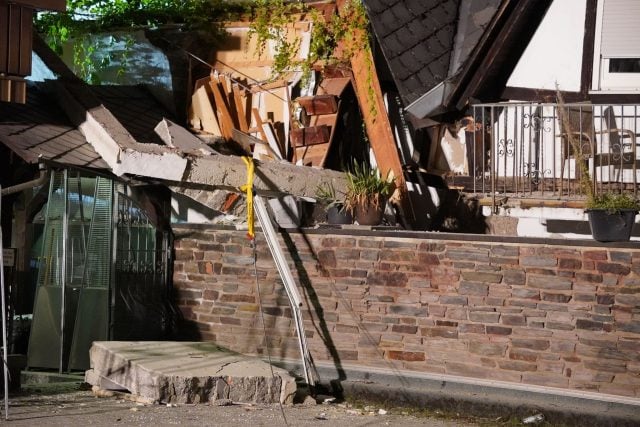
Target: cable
[
  {"x": 264, "y": 324},
  {"x": 197, "y": 58},
  {"x": 248, "y": 188}
]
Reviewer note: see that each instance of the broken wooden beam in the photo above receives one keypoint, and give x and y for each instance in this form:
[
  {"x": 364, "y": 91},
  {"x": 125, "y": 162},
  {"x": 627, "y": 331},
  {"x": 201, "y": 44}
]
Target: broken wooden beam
[{"x": 222, "y": 108}]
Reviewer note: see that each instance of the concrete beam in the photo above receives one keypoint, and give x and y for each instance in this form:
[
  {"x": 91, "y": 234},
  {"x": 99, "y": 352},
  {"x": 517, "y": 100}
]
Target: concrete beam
[
  {"x": 175, "y": 136},
  {"x": 112, "y": 141},
  {"x": 271, "y": 178},
  {"x": 170, "y": 162},
  {"x": 186, "y": 372}
]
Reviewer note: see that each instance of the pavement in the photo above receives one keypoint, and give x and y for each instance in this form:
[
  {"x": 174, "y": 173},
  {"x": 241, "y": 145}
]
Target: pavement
[{"x": 71, "y": 404}]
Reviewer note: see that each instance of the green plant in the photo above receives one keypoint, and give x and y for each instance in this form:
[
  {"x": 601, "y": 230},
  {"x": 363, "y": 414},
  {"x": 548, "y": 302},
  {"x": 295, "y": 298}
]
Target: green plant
[
  {"x": 327, "y": 194},
  {"x": 84, "y": 19},
  {"x": 349, "y": 29},
  {"x": 366, "y": 187},
  {"x": 613, "y": 202}
]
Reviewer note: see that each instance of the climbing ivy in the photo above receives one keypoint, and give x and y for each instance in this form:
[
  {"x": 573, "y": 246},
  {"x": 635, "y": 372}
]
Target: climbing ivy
[
  {"x": 271, "y": 21},
  {"x": 86, "y": 18}
]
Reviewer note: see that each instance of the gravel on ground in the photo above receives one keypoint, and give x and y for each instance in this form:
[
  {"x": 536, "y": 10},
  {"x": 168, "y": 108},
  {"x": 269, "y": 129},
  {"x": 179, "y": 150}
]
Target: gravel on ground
[{"x": 69, "y": 404}]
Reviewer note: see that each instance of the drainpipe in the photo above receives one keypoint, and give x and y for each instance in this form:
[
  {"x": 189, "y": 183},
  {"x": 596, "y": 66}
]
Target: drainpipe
[
  {"x": 5, "y": 360},
  {"x": 27, "y": 185}
]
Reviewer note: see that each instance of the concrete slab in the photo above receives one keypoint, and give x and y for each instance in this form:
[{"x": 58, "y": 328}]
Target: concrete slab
[{"x": 186, "y": 372}]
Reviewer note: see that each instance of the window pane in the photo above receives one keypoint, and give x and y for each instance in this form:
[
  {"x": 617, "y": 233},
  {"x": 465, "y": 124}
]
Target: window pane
[{"x": 624, "y": 65}]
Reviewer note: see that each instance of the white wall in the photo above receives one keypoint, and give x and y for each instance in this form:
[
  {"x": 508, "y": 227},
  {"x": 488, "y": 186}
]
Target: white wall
[{"x": 555, "y": 52}]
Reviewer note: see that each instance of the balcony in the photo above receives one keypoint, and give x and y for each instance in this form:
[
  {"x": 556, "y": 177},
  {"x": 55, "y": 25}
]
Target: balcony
[{"x": 548, "y": 152}]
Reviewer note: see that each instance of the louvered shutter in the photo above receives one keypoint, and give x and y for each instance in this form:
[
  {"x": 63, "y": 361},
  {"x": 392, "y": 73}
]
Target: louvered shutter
[{"x": 621, "y": 29}]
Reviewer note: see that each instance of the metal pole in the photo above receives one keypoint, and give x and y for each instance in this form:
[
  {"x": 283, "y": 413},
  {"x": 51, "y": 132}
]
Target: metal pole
[
  {"x": 288, "y": 281},
  {"x": 5, "y": 358},
  {"x": 63, "y": 279}
]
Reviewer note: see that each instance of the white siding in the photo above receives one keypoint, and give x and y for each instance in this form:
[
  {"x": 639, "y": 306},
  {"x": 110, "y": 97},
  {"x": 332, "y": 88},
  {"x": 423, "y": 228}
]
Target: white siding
[{"x": 554, "y": 55}]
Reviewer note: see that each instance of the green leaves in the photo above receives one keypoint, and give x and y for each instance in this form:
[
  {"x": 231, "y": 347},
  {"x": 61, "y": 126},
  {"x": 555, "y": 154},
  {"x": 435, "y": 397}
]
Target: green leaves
[
  {"x": 613, "y": 202},
  {"x": 365, "y": 185},
  {"x": 86, "y": 18}
]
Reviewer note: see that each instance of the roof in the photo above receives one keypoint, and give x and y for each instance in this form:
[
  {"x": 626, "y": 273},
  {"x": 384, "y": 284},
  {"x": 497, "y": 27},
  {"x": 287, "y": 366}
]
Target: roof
[
  {"x": 135, "y": 108},
  {"x": 426, "y": 41},
  {"x": 442, "y": 53},
  {"x": 38, "y": 129}
]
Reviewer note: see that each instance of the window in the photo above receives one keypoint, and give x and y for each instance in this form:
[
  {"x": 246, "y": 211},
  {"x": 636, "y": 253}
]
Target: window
[{"x": 616, "y": 65}]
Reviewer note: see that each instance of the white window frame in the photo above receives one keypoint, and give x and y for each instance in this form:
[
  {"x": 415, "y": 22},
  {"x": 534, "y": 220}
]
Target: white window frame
[{"x": 603, "y": 80}]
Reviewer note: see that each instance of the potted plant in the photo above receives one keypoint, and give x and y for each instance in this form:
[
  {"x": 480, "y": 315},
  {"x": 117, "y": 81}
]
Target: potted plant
[
  {"x": 333, "y": 204},
  {"x": 611, "y": 216},
  {"x": 367, "y": 194}
]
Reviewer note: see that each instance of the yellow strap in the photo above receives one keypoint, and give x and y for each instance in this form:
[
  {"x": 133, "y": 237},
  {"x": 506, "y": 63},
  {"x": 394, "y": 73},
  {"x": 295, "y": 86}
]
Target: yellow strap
[{"x": 248, "y": 188}]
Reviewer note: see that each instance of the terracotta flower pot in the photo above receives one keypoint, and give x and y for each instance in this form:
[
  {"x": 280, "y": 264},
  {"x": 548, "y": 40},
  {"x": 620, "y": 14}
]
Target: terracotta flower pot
[{"x": 366, "y": 214}]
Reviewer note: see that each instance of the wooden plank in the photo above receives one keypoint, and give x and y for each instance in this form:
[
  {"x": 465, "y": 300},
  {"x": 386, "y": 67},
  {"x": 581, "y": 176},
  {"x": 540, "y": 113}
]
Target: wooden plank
[
  {"x": 240, "y": 111},
  {"x": 19, "y": 91},
  {"x": 204, "y": 81},
  {"x": 259, "y": 122},
  {"x": 318, "y": 104},
  {"x": 5, "y": 90},
  {"x": 272, "y": 140},
  {"x": 314, "y": 135},
  {"x": 374, "y": 115},
  {"x": 13, "y": 40},
  {"x": 224, "y": 116},
  {"x": 56, "y": 5},
  {"x": 25, "y": 41},
  {"x": 201, "y": 103},
  {"x": 263, "y": 150},
  {"x": 4, "y": 40},
  {"x": 246, "y": 140},
  {"x": 269, "y": 86}
]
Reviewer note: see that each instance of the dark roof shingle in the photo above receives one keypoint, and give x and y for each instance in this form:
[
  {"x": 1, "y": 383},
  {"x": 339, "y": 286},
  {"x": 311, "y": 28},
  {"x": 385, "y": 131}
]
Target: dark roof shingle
[{"x": 39, "y": 128}]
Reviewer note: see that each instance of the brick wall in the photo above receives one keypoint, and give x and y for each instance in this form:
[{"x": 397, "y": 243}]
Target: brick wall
[{"x": 518, "y": 311}]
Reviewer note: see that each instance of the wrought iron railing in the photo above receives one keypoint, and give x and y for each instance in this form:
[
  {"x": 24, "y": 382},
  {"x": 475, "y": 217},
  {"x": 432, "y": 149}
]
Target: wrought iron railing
[{"x": 549, "y": 151}]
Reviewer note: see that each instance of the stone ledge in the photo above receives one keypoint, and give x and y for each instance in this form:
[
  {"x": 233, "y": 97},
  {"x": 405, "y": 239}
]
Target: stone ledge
[{"x": 186, "y": 372}]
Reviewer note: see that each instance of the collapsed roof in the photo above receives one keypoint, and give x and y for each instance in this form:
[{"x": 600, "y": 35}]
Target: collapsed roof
[
  {"x": 125, "y": 131},
  {"x": 442, "y": 53}
]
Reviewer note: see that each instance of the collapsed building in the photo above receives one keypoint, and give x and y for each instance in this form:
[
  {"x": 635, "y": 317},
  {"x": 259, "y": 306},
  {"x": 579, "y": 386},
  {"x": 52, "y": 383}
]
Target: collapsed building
[{"x": 112, "y": 242}]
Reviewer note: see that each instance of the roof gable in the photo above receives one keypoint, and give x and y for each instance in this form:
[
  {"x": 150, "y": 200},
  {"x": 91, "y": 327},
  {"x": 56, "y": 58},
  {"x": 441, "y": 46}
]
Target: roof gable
[{"x": 417, "y": 38}]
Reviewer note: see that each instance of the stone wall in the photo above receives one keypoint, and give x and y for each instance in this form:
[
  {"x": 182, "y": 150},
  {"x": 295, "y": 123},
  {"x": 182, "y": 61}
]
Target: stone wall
[{"x": 537, "y": 312}]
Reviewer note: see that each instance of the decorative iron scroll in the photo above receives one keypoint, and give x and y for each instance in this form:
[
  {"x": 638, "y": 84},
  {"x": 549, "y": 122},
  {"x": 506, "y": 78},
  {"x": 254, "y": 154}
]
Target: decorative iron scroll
[
  {"x": 535, "y": 174},
  {"x": 506, "y": 148},
  {"x": 536, "y": 122}
]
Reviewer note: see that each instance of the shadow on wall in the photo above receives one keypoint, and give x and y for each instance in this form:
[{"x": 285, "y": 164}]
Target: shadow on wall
[
  {"x": 458, "y": 214},
  {"x": 186, "y": 330},
  {"x": 313, "y": 303}
]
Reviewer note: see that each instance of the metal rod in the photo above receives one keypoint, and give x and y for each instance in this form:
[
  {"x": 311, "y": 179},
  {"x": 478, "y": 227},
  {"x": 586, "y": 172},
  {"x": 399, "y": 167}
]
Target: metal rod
[
  {"x": 65, "y": 231},
  {"x": 287, "y": 280},
  {"x": 5, "y": 358}
]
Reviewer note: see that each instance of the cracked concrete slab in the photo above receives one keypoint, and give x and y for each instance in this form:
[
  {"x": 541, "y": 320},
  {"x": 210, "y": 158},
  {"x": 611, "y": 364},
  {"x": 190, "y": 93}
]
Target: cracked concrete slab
[{"x": 186, "y": 372}]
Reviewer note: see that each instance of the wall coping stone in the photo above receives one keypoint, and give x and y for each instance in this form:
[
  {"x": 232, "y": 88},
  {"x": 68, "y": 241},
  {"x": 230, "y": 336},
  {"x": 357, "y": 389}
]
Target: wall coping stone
[{"x": 393, "y": 232}]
